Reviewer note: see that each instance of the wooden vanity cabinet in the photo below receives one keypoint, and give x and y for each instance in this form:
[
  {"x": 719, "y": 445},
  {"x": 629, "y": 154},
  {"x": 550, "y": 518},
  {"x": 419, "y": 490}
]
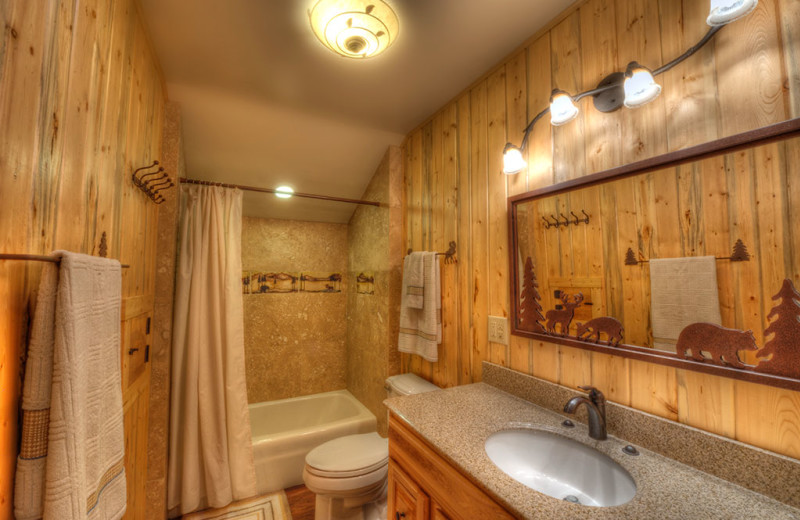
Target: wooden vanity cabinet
[{"x": 424, "y": 486}]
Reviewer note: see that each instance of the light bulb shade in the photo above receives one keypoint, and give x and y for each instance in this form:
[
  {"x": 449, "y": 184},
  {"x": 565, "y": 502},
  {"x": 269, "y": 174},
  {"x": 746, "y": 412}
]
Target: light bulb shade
[
  {"x": 513, "y": 162},
  {"x": 726, "y": 11},
  {"x": 562, "y": 109},
  {"x": 354, "y": 28},
  {"x": 283, "y": 192},
  {"x": 640, "y": 86}
]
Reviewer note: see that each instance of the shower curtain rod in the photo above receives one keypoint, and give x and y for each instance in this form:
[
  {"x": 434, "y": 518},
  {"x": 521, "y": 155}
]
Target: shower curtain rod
[{"x": 270, "y": 190}]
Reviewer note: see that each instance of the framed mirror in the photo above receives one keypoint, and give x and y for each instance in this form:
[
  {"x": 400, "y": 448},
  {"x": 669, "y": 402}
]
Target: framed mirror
[{"x": 690, "y": 259}]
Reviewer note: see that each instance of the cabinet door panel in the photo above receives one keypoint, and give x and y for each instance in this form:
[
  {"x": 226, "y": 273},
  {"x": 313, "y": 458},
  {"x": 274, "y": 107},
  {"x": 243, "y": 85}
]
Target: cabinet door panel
[
  {"x": 407, "y": 501},
  {"x": 437, "y": 513}
]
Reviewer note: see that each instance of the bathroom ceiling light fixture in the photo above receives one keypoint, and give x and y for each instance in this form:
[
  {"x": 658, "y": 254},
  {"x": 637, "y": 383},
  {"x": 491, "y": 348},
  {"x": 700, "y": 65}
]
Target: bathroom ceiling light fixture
[
  {"x": 354, "y": 28},
  {"x": 633, "y": 88},
  {"x": 284, "y": 192}
]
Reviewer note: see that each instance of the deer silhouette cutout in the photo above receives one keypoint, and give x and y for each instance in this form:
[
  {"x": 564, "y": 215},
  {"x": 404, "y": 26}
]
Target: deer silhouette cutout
[{"x": 563, "y": 316}]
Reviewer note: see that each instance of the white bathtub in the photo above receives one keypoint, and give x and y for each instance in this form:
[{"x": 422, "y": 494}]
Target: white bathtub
[{"x": 285, "y": 431}]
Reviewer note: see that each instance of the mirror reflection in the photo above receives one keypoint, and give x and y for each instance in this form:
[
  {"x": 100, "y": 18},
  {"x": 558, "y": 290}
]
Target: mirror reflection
[{"x": 637, "y": 260}]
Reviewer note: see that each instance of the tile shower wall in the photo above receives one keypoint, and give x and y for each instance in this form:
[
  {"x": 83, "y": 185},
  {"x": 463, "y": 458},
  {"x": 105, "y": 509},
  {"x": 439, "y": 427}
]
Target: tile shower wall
[
  {"x": 375, "y": 242},
  {"x": 294, "y": 342}
]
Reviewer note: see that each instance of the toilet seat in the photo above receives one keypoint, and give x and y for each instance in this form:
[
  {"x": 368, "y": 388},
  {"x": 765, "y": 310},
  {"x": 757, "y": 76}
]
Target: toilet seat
[
  {"x": 348, "y": 464},
  {"x": 349, "y": 456}
]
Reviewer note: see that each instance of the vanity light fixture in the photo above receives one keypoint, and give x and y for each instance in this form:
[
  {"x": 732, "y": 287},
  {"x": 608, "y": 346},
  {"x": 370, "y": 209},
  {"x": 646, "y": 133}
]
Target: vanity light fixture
[
  {"x": 726, "y": 11},
  {"x": 634, "y": 88},
  {"x": 284, "y": 192},
  {"x": 354, "y": 28},
  {"x": 562, "y": 109},
  {"x": 640, "y": 86}
]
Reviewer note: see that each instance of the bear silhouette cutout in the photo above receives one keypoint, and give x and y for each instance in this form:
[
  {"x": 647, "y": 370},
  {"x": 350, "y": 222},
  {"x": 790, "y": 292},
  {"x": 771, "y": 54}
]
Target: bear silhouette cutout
[
  {"x": 611, "y": 327},
  {"x": 720, "y": 343}
]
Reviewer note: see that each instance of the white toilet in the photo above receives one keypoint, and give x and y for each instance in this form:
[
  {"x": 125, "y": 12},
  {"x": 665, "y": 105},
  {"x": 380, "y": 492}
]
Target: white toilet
[{"x": 349, "y": 474}]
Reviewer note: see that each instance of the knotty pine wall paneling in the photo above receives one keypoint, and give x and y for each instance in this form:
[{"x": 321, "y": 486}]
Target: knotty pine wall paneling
[
  {"x": 746, "y": 78},
  {"x": 81, "y": 106}
]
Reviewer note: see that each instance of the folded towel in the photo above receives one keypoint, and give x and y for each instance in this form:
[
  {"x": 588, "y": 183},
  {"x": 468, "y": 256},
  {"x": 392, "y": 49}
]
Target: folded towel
[
  {"x": 682, "y": 291},
  {"x": 414, "y": 279},
  {"x": 81, "y": 450},
  {"x": 421, "y": 329}
]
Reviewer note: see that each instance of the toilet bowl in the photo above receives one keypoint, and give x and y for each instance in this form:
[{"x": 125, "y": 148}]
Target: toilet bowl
[{"x": 349, "y": 474}]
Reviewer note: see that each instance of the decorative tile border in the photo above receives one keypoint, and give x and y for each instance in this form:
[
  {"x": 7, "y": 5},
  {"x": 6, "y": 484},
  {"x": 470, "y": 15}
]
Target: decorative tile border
[
  {"x": 256, "y": 282},
  {"x": 259, "y": 282},
  {"x": 365, "y": 282},
  {"x": 321, "y": 282}
]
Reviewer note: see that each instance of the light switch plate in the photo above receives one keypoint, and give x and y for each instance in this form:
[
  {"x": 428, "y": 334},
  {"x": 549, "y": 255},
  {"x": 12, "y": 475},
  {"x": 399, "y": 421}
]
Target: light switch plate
[{"x": 498, "y": 330}]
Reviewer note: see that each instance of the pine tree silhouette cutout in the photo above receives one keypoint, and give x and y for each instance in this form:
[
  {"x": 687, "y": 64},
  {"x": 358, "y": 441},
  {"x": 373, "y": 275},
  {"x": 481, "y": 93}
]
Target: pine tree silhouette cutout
[
  {"x": 740, "y": 253},
  {"x": 784, "y": 347},
  {"x": 630, "y": 258},
  {"x": 530, "y": 308}
]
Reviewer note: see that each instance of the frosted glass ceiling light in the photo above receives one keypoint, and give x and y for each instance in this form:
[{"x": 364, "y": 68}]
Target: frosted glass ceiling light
[
  {"x": 354, "y": 28},
  {"x": 640, "y": 86},
  {"x": 562, "y": 109},
  {"x": 513, "y": 162},
  {"x": 283, "y": 192},
  {"x": 726, "y": 11}
]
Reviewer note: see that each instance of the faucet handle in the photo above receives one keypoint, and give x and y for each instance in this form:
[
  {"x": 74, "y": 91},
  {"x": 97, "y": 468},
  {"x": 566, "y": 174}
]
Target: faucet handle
[{"x": 594, "y": 394}]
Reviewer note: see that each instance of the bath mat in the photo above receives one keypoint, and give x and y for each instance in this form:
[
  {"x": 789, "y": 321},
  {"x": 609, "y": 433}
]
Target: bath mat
[{"x": 274, "y": 506}]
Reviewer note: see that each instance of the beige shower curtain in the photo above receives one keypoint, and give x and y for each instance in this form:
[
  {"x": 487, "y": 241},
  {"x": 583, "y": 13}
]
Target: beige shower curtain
[{"x": 210, "y": 448}]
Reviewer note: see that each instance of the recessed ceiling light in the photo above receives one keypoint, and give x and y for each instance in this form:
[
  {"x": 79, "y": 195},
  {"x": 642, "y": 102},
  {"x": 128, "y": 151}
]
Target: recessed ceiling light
[
  {"x": 354, "y": 28},
  {"x": 283, "y": 192}
]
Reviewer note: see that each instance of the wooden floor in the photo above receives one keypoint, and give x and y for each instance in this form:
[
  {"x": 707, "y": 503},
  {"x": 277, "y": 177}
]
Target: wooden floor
[{"x": 301, "y": 503}]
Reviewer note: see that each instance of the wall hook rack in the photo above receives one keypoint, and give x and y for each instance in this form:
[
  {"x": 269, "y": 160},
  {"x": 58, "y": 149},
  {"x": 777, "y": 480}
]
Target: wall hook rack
[
  {"x": 557, "y": 222},
  {"x": 449, "y": 255},
  {"x": 152, "y": 183}
]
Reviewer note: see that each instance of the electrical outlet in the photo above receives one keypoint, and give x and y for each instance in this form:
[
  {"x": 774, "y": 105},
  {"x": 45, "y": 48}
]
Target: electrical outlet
[{"x": 498, "y": 330}]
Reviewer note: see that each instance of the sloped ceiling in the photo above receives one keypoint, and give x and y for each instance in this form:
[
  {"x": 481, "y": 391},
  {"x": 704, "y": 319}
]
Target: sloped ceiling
[{"x": 264, "y": 103}]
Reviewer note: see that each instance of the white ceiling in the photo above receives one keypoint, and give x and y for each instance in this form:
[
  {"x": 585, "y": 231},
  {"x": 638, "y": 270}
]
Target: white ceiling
[{"x": 264, "y": 103}]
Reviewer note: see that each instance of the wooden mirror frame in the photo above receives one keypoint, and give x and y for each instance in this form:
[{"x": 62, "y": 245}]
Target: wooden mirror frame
[{"x": 761, "y": 136}]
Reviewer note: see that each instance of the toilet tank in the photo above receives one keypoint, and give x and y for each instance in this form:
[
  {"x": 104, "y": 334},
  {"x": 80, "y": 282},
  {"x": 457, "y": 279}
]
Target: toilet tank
[{"x": 407, "y": 384}]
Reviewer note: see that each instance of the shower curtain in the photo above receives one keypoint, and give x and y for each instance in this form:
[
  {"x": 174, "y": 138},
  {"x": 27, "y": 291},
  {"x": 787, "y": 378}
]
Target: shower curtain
[{"x": 210, "y": 448}]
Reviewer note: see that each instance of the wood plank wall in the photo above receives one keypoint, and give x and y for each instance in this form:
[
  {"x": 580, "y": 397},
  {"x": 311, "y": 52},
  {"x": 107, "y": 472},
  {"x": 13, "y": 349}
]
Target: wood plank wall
[
  {"x": 81, "y": 105},
  {"x": 748, "y": 77}
]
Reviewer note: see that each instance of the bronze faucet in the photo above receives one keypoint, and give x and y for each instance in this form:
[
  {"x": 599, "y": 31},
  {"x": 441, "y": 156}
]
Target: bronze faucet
[{"x": 596, "y": 406}]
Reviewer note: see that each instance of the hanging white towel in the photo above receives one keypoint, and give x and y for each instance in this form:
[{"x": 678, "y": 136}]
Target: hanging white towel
[
  {"x": 682, "y": 291},
  {"x": 414, "y": 279},
  {"x": 72, "y": 465},
  {"x": 421, "y": 329}
]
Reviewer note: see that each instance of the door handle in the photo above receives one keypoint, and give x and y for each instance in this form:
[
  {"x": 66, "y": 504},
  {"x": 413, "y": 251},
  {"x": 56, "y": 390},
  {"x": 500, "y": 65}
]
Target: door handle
[{"x": 132, "y": 350}]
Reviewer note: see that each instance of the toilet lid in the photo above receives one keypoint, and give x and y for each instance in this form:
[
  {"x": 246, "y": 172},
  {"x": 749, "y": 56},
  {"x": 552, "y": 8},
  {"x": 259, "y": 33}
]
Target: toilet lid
[{"x": 366, "y": 452}]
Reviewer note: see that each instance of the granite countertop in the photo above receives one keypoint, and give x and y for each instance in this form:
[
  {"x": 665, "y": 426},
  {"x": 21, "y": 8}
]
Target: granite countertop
[{"x": 457, "y": 421}]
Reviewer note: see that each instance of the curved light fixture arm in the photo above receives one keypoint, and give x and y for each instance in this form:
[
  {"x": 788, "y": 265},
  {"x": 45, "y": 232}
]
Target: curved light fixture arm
[
  {"x": 696, "y": 47},
  {"x": 528, "y": 128},
  {"x": 595, "y": 91}
]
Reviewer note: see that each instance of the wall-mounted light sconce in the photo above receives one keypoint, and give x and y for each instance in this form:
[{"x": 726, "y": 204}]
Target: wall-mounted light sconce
[
  {"x": 633, "y": 88},
  {"x": 354, "y": 28}
]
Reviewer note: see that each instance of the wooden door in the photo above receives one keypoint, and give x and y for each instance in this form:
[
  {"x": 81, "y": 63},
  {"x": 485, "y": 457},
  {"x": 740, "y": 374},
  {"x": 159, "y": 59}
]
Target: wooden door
[{"x": 407, "y": 501}]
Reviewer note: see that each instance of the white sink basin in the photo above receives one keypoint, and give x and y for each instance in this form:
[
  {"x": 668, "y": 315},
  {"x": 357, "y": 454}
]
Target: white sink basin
[{"x": 560, "y": 467}]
